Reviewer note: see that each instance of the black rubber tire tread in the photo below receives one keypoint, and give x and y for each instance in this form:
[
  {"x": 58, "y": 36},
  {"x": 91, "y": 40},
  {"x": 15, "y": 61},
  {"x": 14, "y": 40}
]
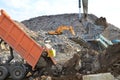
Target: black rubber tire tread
[
  {"x": 4, "y": 71},
  {"x": 20, "y": 69}
]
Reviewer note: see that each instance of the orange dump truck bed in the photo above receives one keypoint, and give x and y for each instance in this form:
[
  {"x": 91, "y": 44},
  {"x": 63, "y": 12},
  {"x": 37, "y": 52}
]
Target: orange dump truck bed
[{"x": 19, "y": 40}]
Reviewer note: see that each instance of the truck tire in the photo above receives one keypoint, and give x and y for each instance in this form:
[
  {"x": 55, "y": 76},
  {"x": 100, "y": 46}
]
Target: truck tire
[
  {"x": 3, "y": 72},
  {"x": 17, "y": 72}
]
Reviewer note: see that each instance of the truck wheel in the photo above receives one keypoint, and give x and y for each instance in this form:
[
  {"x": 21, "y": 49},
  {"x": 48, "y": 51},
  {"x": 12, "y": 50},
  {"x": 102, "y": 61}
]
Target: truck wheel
[
  {"x": 17, "y": 72},
  {"x": 3, "y": 72}
]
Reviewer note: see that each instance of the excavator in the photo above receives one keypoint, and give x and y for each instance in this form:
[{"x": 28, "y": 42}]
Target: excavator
[{"x": 60, "y": 30}]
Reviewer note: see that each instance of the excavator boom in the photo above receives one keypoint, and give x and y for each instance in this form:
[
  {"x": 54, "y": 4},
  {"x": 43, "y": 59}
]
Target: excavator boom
[{"x": 60, "y": 29}]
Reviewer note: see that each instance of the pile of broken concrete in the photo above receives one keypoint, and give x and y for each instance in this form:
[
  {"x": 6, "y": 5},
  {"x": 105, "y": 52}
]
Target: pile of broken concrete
[{"x": 74, "y": 58}]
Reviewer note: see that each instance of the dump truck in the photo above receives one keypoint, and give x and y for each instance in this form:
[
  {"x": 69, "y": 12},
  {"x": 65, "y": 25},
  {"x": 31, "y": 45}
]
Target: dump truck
[{"x": 33, "y": 54}]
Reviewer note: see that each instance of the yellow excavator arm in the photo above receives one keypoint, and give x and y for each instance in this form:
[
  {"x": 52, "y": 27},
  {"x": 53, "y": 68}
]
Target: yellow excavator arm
[{"x": 60, "y": 29}]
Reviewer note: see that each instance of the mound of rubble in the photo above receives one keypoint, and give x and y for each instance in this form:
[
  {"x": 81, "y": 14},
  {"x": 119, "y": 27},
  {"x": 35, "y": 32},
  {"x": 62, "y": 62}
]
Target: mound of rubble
[
  {"x": 67, "y": 45},
  {"x": 74, "y": 56}
]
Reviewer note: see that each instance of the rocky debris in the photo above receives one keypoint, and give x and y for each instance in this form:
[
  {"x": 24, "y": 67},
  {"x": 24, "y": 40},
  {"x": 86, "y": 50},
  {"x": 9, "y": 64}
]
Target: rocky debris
[
  {"x": 48, "y": 23},
  {"x": 72, "y": 66},
  {"x": 5, "y": 54},
  {"x": 40, "y": 78},
  {"x": 76, "y": 57},
  {"x": 74, "y": 61},
  {"x": 117, "y": 78},
  {"x": 43, "y": 78},
  {"x": 65, "y": 47},
  {"x": 62, "y": 45},
  {"x": 77, "y": 76},
  {"x": 81, "y": 42},
  {"x": 110, "y": 60},
  {"x": 92, "y": 30},
  {"x": 111, "y": 32},
  {"x": 102, "y": 76},
  {"x": 101, "y": 21},
  {"x": 3, "y": 46},
  {"x": 89, "y": 61}
]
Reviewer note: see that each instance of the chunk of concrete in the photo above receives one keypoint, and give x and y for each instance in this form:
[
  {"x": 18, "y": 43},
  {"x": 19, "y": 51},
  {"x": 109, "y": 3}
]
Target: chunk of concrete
[{"x": 101, "y": 76}]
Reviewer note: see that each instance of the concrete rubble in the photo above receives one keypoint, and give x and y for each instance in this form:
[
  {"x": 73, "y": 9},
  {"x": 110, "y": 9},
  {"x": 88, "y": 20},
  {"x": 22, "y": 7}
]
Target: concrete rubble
[
  {"x": 77, "y": 60},
  {"x": 102, "y": 76}
]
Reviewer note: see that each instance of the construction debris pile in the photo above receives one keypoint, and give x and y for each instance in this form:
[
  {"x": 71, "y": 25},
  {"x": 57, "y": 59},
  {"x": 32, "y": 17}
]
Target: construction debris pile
[
  {"x": 89, "y": 60},
  {"x": 75, "y": 57}
]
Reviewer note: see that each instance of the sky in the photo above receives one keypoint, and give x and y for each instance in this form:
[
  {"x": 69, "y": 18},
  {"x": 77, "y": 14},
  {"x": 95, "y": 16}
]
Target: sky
[{"x": 26, "y": 9}]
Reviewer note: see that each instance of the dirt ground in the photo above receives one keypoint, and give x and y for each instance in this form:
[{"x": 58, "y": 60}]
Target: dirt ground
[{"x": 110, "y": 60}]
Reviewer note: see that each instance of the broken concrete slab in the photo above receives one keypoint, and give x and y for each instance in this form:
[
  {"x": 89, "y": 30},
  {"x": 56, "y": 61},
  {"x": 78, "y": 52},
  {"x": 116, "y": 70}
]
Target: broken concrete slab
[{"x": 101, "y": 76}]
